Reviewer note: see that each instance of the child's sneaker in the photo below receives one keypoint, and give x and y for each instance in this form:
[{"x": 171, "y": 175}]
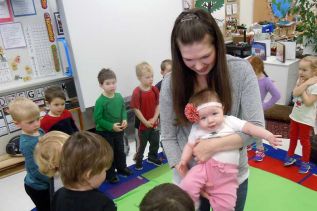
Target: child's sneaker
[
  {"x": 125, "y": 172},
  {"x": 114, "y": 180},
  {"x": 138, "y": 166},
  {"x": 249, "y": 147},
  {"x": 289, "y": 161},
  {"x": 154, "y": 161},
  {"x": 259, "y": 155},
  {"x": 304, "y": 168}
]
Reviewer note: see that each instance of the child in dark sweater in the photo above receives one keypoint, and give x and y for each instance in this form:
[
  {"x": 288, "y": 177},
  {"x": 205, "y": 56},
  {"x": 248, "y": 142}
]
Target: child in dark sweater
[{"x": 84, "y": 160}]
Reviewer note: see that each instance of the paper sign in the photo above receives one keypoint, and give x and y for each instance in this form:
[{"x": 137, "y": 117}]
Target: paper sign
[
  {"x": 12, "y": 35},
  {"x": 3, "y": 127},
  {"x": 23, "y": 7},
  {"x": 5, "y": 12},
  {"x": 234, "y": 8},
  {"x": 228, "y": 9},
  {"x": 9, "y": 120}
]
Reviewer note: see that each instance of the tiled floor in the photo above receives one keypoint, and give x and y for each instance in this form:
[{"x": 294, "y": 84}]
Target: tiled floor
[{"x": 14, "y": 198}]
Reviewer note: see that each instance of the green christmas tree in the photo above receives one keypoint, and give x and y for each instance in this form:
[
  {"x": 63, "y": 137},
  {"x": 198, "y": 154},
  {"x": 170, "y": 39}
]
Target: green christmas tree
[{"x": 209, "y": 6}]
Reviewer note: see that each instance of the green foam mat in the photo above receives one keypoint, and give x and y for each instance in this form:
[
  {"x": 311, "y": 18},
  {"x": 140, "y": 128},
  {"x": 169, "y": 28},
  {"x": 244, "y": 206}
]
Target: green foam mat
[
  {"x": 131, "y": 200},
  {"x": 267, "y": 192},
  {"x": 271, "y": 192},
  {"x": 160, "y": 174}
]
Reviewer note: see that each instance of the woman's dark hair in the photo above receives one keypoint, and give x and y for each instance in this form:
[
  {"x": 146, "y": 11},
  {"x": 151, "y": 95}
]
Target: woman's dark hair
[
  {"x": 167, "y": 197},
  {"x": 193, "y": 26}
]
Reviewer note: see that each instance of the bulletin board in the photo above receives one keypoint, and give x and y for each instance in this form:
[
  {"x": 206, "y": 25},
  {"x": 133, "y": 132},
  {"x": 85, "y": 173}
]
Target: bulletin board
[
  {"x": 30, "y": 56},
  {"x": 262, "y": 11},
  {"x": 28, "y": 43}
]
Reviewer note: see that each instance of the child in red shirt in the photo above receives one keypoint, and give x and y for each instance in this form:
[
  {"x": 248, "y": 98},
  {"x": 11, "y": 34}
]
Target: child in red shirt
[
  {"x": 57, "y": 118},
  {"x": 145, "y": 103}
]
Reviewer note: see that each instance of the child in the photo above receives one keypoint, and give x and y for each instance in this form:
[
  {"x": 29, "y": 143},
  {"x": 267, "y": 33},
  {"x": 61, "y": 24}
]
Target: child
[
  {"x": 58, "y": 118},
  {"x": 303, "y": 115},
  {"x": 145, "y": 103},
  {"x": 111, "y": 119},
  {"x": 47, "y": 155},
  {"x": 266, "y": 86},
  {"x": 166, "y": 67},
  {"x": 206, "y": 112},
  {"x": 168, "y": 197},
  {"x": 26, "y": 115},
  {"x": 84, "y": 160}
]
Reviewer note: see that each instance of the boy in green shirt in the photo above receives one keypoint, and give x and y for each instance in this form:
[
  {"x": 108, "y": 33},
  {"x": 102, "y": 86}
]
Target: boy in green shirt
[{"x": 111, "y": 119}]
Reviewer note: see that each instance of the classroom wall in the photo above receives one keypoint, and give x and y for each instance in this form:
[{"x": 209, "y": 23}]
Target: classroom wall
[{"x": 246, "y": 17}]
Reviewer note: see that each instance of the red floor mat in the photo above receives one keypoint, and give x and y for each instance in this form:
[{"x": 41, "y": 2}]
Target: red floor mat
[
  {"x": 311, "y": 182},
  {"x": 276, "y": 167}
]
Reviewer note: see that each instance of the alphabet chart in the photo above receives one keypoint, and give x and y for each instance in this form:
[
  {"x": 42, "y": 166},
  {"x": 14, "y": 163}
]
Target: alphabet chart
[{"x": 40, "y": 50}]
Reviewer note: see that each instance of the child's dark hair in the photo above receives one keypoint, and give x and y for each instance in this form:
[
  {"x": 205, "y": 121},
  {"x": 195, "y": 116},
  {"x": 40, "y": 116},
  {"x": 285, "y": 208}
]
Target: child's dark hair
[
  {"x": 105, "y": 74},
  {"x": 84, "y": 153},
  {"x": 53, "y": 92},
  {"x": 167, "y": 197},
  {"x": 204, "y": 96}
]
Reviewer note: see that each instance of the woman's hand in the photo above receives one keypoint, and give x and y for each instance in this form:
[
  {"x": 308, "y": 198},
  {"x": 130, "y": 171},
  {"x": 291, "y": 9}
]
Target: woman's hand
[{"x": 203, "y": 150}]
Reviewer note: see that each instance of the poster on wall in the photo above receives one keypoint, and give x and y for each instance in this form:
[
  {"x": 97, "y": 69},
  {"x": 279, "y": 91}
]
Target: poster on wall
[
  {"x": 3, "y": 128},
  {"x": 5, "y": 73},
  {"x": 215, "y": 7},
  {"x": 58, "y": 22},
  {"x": 9, "y": 120},
  {"x": 188, "y": 4},
  {"x": 5, "y": 12},
  {"x": 40, "y": 50},
  {"x": 23, "y": 7},
  {"x": 12, "y": 35}
]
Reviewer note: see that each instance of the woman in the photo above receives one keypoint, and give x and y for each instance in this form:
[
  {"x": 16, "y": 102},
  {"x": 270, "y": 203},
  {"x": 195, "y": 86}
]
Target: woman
[{"x": 199, "y": 62}]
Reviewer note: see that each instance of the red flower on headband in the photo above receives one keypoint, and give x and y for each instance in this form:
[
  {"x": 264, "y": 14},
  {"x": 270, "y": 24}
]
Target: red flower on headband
[{"x": 191, "y": 113}]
